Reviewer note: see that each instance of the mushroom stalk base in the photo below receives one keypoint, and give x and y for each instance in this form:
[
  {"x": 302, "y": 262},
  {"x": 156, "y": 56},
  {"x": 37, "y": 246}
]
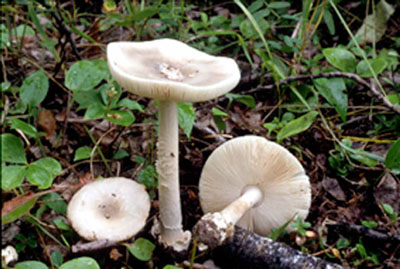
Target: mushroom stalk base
[
  {"x": 213, "y": 229},
  {"x": 168, "y": 178}
]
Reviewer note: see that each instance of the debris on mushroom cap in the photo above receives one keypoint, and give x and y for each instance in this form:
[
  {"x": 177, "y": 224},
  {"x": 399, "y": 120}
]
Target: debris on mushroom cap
[
  {"x": 112, "y": 209},
  {"x": 254, "y": 161},
  {"x": 168, "y": 69}
]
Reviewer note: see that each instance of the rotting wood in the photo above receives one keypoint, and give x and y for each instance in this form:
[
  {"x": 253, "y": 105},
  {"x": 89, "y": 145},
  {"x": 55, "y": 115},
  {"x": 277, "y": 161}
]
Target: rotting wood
[{"x": 249, "y": 250}]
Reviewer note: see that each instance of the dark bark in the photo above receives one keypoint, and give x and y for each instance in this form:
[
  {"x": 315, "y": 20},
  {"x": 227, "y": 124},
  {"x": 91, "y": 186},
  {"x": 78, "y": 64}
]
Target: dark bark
[{"x": 249, "y": 250}]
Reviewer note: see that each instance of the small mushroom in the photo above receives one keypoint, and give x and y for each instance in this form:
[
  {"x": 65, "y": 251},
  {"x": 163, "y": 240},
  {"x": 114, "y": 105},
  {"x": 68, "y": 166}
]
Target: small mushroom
[
  {"x": 251, "y": 182},
  {"x": 170, "y": 71},
  {"x": 112, "y": 209}
]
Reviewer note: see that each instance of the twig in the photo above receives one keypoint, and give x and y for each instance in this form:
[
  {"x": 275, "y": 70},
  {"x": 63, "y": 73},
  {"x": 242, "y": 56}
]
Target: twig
[
  {"x": 358, "y": 79},
  {"x": 204, "y": 129},
  {"x": 92, "y": 246}
]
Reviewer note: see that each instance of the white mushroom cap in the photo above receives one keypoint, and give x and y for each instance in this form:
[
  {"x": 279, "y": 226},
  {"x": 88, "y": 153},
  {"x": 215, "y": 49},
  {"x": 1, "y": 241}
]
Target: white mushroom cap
[
  {"x": 254, "y": 161},
  {"x": 113, "y": 208},
  {"x": 168, "y": 69}
]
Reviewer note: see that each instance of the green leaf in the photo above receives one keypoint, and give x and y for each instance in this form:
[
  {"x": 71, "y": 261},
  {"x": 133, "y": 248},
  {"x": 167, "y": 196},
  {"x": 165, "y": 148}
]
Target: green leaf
[
  {"x": 342, "y": 59},
  {"x": 297, "y": 126},
  {"x": 26, "y": 128},
  {"x": 369, "y": 224},
  {"x": 279, "y": 5},
  {"x": 333, "y": 91},
  {"x": 95, "y": 111},
  {"x": 20, "y": 210},
  {"x": 12, "y": 149},
  {"x": 25, "y": 30},
  {"x": 55, "y": 202},
  {"x": 388, "y": 209},
  {"x": 169, "y": 266},
  {"x": 120, "y": 154},
  {"x": 186, "y": 117},
  {"x": 34, "y": 88},
  {"x": 248, "y": 30},
  {"x": 12, "y": 176},
  {"x": 330, "y": 23},
  {"x": 361, "y": 250},
  {"x": 88, "y": 98},
  {"x": 4, "y": 86},
  {"x": 82, "y": 153},
  {"x": 142, "y": 249},
  {"x": 377, "y": 64},
  {"x": 81, "y": 263},
  {"x": 31, "y": 265},
  {"x": 57, "y": 258},
  {"x": 60, "y": 223},
  {"x": 148, "y": 176},
  {"x": 122, "y": 117},
  {"x": 50, "y": 164},
  {"x": 128, "y": 103},
  {"x": 39, "y": 176},
  {"x": 84, "y": 75},
  {"x": 248, "y": 100},
  {"x": 392, "y": 160},
  {"x": 145, "y": 13},
  {"x": 218, "y": 112},
  {"x": 342, "y": 243}
]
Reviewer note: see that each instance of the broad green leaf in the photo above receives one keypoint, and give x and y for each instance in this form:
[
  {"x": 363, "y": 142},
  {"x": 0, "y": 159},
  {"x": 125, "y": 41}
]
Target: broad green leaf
[
  {"x": 12, "y": 149},
  {"x": 12, "y": 176},
  {"x": 94, "y": 111},
  {"x": 333, "y": 91},
  {"x": 109, "y": 5},
  {"x": 87, "y": 98},
  {"x": 186, "y": 117},
  {"x": 369, "y": 224},
  {"x": 19, "y": 210},
  {"x": 142, "y": 249},
  {"x": 54, "y": 201},
  {"x": 82, "y": 153},
  {"x": 146, "y": 13},
  {"x": 342, "y": 243},
  {"x": 148, "y": 177},
  {"x": 218, "y": 112},
  {"x": 169, "y": 266},
  {"x": 34, "y": 88},
  {"x": 81, "y": 263},
  {"x": 377, "y": 64},
  {"x": 248, "y": 31},
  {"x": 297, "y": 126},
  {"x": 4, "y": 86},
  {"x": 122, "y": 117},
  {"x": 120, "y": 154},
  {"x": 391, "y": 57},
  {"x": 110, "y": 95},
  {"x": 31, "y": 265},
  {"x": 248, "y": 100},
  {"x": 361, "y": 250},
  {"x": 26, "y": 128},
  {"x": 57, "y": 258},
  {"x": 342, "y": 59},
  {"x": 39, "y": 176},
  {"x": 50, "y": 164},
  {"x": 362, "y": 158},
  {"x": 392, "y": 160},
  {"x": 388, "y": 208},
  {"x": 131, "y": 104},
  {"x": 279, "y": 5},
  {"x": 84, "y": 75},
  {"x": 60, "y": 223},
  {"x": 25, "y": 30}
]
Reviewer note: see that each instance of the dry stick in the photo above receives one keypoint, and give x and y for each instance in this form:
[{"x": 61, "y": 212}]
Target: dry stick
[
  {"x": 354, "y": 77},
  {"x": 92, "y": 246},
  {"x": 249, "y": 250}
]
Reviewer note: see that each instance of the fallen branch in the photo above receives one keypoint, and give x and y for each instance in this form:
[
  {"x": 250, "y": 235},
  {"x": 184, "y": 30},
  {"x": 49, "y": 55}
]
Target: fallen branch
[
  {"x": 92, "y": 246},
  {"x": 351, "y": 76},
  {"x": 249, "y": 250}
]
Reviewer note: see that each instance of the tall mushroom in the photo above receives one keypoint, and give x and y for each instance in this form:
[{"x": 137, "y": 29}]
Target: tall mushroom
[
  {"x": 251, "y": 182},
  {"x": 170, "y": 71},
  {"x": 113, "y": 209}
]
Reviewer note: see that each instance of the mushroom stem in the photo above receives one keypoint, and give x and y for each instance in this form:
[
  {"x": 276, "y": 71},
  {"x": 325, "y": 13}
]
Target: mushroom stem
[
  {"x": 233, "y": 212},
  {"x": 214, "y": 228},
  {"x": 168, "y": 175}
]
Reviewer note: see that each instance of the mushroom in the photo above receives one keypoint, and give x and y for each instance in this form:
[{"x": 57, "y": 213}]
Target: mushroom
[
  {"x": 251, "y": 182},
  {"x": 112, "y": 209},
  {"x": 170, "y": 71}
]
